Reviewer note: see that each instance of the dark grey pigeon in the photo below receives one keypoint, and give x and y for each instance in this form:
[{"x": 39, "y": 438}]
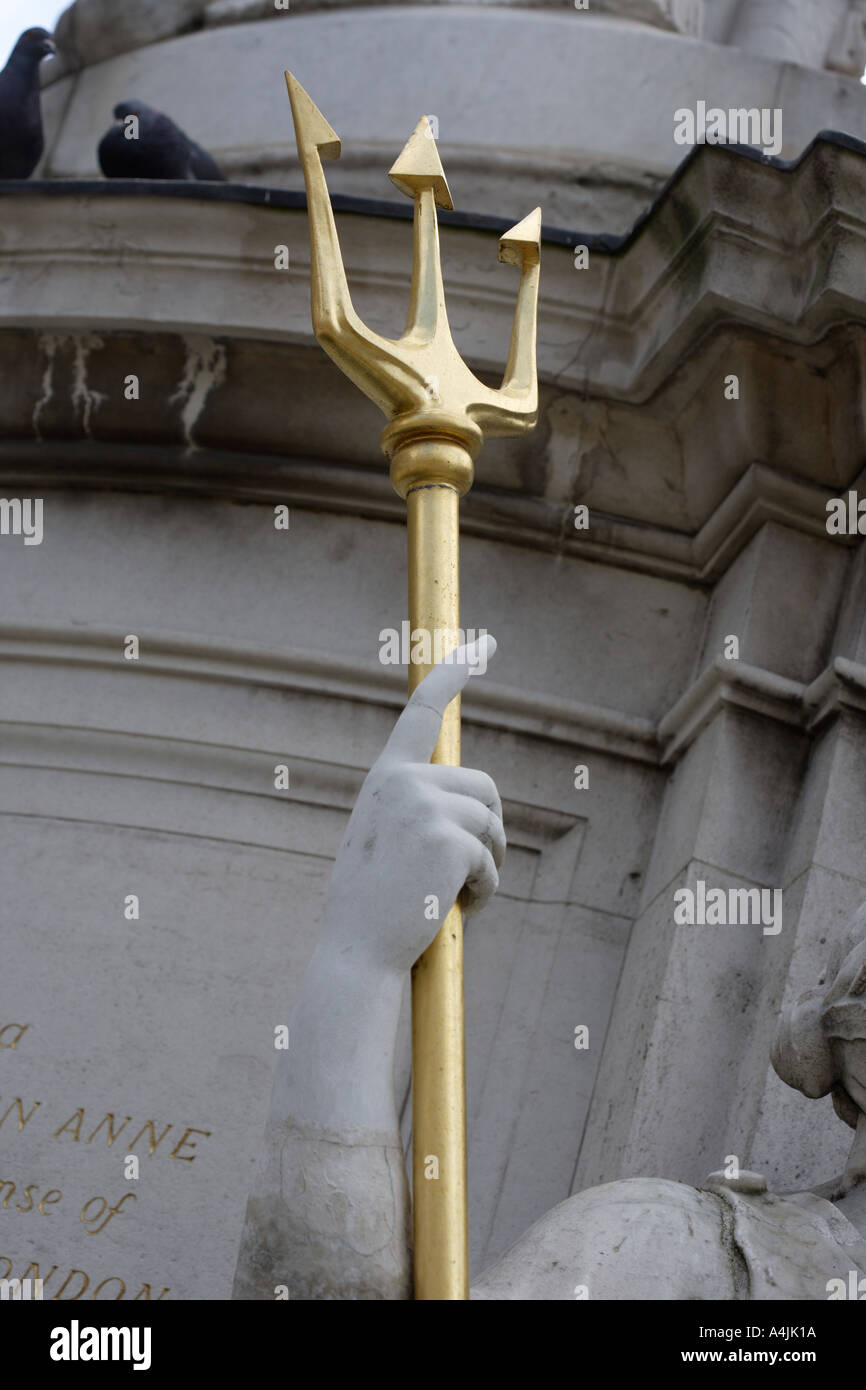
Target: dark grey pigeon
[
  {"x": 159, "y": 151},
  {"x": 21, "y": 139}
]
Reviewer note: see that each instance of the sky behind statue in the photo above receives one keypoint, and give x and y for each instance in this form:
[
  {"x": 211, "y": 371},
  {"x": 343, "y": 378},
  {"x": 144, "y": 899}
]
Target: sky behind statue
[{"x": 18, "y": 15}]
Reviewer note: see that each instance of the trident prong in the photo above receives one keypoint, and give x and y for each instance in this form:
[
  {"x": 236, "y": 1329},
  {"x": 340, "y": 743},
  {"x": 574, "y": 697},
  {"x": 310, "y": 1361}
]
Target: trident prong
[
  {"x": 438, "y": 414},
  {"x": 397, "y": 373}
]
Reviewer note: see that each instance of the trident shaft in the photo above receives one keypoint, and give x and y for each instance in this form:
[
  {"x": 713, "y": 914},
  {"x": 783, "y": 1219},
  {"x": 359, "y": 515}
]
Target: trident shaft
[{"x": 438, "y": 415}]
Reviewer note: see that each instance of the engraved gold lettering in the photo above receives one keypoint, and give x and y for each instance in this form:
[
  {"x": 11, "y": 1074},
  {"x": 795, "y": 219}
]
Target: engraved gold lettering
[
  {"x": 22, "y": 1029},
  {"x": 77, "y": 1120},
  {"x": 115, "y": 1128},
  {"x": 22, "y": 1118},
  {"x": 112, "y": 1135},
  {"x": 32, "y": 1272},
  {"x": 84, "y": 1216},
  {"x": 189, "y": 1143},
  {"x": 50, "y": 1199},
  {"x": 112, "y": 1279},
  {"x": 112, "y": 1211},
  {"x": 153, "y": 1143},
  {"x": 35, "y": 1274},
  {"x": 73, "y": 1296},
  {"x": 32, "y": 1187}
]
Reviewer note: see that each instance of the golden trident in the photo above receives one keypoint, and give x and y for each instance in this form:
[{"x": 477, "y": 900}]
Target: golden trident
[{"x": 438, "y": 415}]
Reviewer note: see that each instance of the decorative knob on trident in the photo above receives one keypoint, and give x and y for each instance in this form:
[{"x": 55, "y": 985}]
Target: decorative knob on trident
[{"x": 438, "y": 414}]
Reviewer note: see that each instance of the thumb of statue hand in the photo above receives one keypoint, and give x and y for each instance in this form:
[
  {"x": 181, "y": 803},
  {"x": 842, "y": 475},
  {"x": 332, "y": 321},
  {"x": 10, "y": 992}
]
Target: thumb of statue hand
[{"x": 414, "y": 736}]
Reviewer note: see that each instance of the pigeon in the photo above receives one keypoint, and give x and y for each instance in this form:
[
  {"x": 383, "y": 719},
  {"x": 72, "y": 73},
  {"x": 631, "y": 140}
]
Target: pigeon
[
  {"x": 21, "y": 138},
  {"x": 152, "y": 147}
]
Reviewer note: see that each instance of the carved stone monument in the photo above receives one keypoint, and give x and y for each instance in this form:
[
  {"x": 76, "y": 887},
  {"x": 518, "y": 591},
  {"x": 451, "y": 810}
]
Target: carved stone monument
[{"x": 194, "y": 649}]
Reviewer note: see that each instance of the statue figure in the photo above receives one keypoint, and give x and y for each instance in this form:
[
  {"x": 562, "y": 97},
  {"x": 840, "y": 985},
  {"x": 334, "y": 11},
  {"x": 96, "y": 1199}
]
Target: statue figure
[
  {"x": 812, "y": 33},
  {"x": 328, "y": 1217}
]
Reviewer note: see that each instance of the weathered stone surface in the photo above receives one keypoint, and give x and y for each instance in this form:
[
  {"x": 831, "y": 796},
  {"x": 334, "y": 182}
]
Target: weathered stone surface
[
  {"x": 372, "y": 1255},
  {"x": 651, "y": 1239},
  {"x": 92, "y": 30}
]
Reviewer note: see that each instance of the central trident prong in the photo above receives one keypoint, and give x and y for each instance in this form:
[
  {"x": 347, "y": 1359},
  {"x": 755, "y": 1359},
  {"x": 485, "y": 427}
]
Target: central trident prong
[{"x": 438, "y": 416}]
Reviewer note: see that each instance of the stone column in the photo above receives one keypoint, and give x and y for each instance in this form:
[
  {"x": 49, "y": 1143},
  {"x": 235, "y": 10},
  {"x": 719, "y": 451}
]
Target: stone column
[{"x": 749, "y": 803}]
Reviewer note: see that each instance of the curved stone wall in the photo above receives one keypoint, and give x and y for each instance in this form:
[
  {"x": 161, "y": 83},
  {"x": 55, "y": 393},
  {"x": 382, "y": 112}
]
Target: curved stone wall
[{"x": 590, "y": 143}]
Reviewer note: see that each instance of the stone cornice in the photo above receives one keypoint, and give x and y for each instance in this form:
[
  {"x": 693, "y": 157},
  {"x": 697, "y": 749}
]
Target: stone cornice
[
  {"x": 777, "y": 248},
  {"x": 733, "y": 685},
  {"x": 739, "y": 255},
  {"x": 761, "y": 495},
  {"x": 205, "y": 660},
  {"x": 208, "y": 767},
  {"x": 841, "y": 687}
]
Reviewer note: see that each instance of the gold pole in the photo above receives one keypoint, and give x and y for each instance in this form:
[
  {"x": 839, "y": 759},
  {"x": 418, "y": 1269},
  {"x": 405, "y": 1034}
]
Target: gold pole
[
  {"x": 438, "y": 414},
  {"x": 438, "y": 1031}
]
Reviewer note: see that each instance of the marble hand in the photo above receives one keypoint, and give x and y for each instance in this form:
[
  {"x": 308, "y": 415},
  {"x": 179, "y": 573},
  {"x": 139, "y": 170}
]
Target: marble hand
[{"x": 419, "y": 834}]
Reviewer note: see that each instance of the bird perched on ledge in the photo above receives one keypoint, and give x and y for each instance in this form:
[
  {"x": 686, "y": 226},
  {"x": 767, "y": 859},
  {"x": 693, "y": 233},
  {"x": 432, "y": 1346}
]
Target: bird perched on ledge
[
  {"x": 144, "y": 143},
  {"x": 21, "y": 138}
]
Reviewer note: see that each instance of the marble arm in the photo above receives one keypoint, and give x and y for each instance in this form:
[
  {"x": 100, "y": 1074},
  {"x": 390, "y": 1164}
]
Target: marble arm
[{"x": 329, "y": 1214}]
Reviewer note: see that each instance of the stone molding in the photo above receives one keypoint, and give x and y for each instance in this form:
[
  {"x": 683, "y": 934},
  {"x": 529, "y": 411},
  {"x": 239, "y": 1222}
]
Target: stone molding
[
  {"x": 680, "y": 273},
  {"x": 636, "y": 344},
  {"x": 761, "y": 495},
  {"x": 194, "y": 658},
  {"x": 230, "y": 771},
  {"x": 734, "y": 685},
  {"x": 841, "y": 687}
]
